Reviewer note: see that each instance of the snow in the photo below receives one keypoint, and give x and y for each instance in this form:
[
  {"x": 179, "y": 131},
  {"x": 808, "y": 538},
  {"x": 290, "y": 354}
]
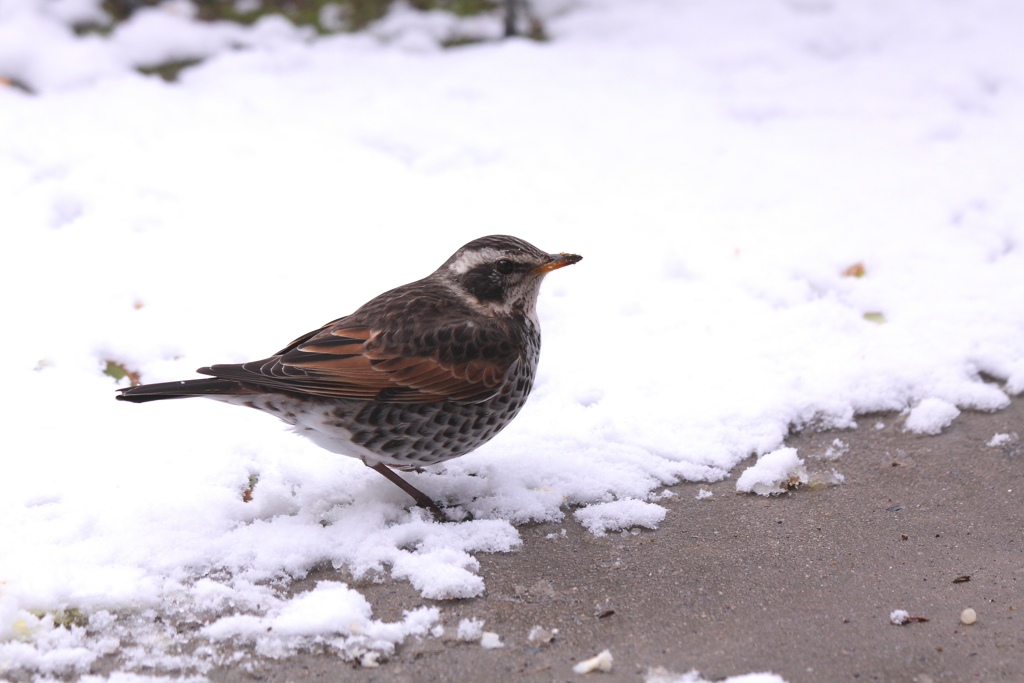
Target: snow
[
  {"x": 718, "y": 164},
  {"x": 37, "y": 46},
  {"x": 600, "y": 518},
  {"x": 899, "y": 617},
  {"x": 539, "y": 635},
  {"x": 470, "y": 629},
  {"x": 931, "y": 415},
  {"x": 330, "y": 609},
  {"x": 836, "y": 449},
  {"x": 1001, "y": 439},
  {"x": 600, "y": 662},
  {"x": 489, "y": 640},
  {"x": 773, "y": 473},
  {"x": 662, "y": 676},
  {"x": 825, "y": 478}
]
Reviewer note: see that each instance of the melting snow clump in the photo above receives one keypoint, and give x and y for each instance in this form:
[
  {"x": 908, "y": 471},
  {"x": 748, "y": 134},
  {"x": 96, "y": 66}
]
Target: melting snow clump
[
  {"x": 471, "y": 629},
  {"x": 332, "y": 613},
  {"x": 773, "y": 473},
  {"x": 818, "y": 480},
  {"x": 931, "y": 415},
  {"x": 490, "y": 640},
  {"x": 836, "y": 449},
  {"x": 998, "y": 440},
  {"x": 541, "y": 636},
  {"x": 601, "y": 518},
  {"x": 600, "y": 662}
]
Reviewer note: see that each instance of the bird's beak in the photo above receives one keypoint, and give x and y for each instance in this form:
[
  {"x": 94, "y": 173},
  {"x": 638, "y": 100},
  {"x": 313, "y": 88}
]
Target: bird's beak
[{"x": 557, "y": 261}]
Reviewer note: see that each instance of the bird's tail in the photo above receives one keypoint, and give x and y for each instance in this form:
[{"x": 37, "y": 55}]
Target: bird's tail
[{"x": 183, "y": 389}]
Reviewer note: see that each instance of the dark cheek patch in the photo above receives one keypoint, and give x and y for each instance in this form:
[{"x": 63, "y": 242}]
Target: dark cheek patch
[{"x": 484, "y": 284}]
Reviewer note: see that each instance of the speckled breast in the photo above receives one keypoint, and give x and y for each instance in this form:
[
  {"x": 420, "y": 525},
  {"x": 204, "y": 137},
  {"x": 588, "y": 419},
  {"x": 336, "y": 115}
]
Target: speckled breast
[{"x": 412, "y": 435}]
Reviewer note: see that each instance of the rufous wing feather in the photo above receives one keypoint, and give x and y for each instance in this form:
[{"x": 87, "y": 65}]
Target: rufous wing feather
[{"x": 349, "y": 362}]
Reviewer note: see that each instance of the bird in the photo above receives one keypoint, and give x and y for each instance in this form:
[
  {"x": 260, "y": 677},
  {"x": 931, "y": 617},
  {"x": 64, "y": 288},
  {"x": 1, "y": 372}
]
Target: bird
[{"x": 418, "y": 375}]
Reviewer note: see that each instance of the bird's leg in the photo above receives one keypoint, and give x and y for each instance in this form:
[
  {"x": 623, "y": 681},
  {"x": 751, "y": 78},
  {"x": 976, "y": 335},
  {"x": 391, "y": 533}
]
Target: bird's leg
[{"x": 422, "y": 499}]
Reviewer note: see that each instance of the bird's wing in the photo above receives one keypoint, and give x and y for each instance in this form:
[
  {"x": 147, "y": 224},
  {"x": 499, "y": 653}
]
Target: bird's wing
[
  {"x": 343, "y": 361},
  {"x": 309, "y": 335}
]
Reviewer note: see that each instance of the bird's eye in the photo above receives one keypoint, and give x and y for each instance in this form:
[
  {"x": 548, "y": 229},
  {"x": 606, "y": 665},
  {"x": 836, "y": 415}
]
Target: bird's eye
[{"x": 504, "y": 266}]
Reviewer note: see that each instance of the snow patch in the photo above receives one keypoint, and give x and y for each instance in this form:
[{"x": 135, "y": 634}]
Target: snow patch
[
  {"x": 490, "y": 640},
  {"x": 773, "y": 473},
  {"x": 600, "y": 662},
  {"x": 332, "y": 613},
  {"x": 470, "y": 629},
  {"x": 601, "y": 518},
  {"x": 930, "y": 416},
  {"x": 835, "y": 450},
  {"x": 998, "y": 440}
]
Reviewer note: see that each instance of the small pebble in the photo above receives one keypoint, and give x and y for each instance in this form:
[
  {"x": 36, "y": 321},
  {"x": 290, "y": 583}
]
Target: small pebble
[{"x": 968, "y": 616}]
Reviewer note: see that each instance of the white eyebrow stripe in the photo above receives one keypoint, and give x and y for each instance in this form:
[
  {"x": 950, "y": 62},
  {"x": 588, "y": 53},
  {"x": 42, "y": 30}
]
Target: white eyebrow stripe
[{"x": 471, "y": 259}]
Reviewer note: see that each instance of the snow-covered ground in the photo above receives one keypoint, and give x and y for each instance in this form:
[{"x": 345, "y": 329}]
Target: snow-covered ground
[{"x": 719, "y": 165}]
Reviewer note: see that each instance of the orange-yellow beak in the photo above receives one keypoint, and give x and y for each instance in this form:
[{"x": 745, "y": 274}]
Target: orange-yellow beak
[{"x": 557, "y": 261}]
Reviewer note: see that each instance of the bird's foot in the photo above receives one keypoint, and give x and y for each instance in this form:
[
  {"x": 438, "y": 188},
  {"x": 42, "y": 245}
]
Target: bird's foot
[{"x": 422, "y": 500}]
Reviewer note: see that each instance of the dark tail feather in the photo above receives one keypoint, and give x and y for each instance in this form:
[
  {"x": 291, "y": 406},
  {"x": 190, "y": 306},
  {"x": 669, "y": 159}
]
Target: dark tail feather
[{"x": 184, "y": 389}]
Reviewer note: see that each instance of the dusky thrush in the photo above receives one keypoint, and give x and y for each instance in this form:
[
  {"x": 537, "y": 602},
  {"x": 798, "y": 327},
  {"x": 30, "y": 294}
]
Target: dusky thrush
[{"x": 421, "y": 374}]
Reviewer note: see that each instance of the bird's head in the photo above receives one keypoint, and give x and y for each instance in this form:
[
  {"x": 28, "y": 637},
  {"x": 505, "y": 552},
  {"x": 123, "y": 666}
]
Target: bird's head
[{"x": 500, "y": 274}]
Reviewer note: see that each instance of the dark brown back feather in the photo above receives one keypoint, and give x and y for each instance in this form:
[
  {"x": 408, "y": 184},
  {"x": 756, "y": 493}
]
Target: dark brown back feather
[{"x": 410, "y": 345}]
